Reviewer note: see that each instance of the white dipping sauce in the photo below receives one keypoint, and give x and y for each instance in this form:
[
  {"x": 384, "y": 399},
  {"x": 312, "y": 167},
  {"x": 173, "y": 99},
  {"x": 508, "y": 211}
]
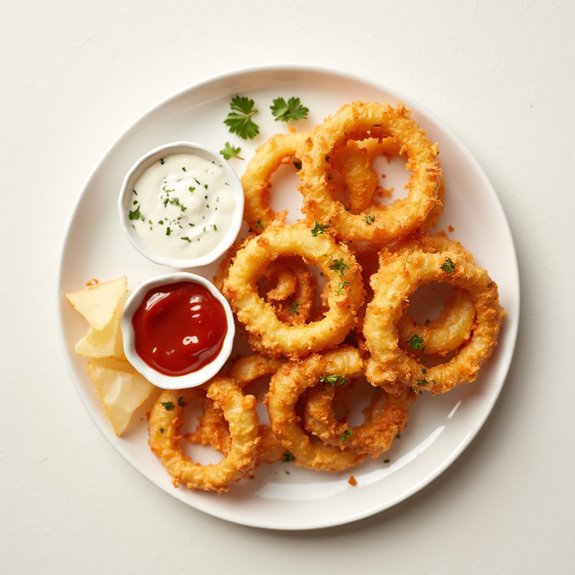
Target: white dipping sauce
[{"x": 181, "y": 206}]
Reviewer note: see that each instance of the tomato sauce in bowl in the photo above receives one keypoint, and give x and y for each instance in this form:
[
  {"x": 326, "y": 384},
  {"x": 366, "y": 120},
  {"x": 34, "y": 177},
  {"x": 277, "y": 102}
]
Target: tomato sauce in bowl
[{"x": 178, "y": 330}]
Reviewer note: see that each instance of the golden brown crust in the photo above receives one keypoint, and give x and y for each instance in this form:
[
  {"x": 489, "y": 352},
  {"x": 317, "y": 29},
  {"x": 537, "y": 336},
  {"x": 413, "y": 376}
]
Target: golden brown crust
[
  {"x": 165, "y": 425},
  {"x": 378, "y": 223},
  {"x": 344, "y": 293}
]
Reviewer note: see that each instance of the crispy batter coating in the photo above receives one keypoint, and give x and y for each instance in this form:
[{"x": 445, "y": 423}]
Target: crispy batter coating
[
  {"x": 447, "y": 332},
  {"x": 400, "y": 275},
  {"x": 384, "y": 417},
  {"x": 246, "y": 370},
  {"x": 344, "y": 297},
  {"x": 290, "y": 287},
  {"x": 256, "y": 180},
  {"x": 379, "y": 222},
  {"x": 165, "y": 432},
  {"x": 288, "y": 384}
]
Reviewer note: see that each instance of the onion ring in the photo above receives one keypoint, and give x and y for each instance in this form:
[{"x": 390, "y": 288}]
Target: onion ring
[
  {"x": 343, "y": 282},
  {"x": 399, "y": 276},
  {"x": 277, "y": 150},
  {"x": 453, "y": 327},
  {"x": 287, "y": 385},
  {"x": 378, "y": 223},
  {"x": 384, "y": 417},
  {"x": 166, "y": 420}
]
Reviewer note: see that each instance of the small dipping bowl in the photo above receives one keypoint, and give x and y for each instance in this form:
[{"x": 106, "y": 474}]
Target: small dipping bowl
[
  {"x": 130, "y": 336},
  {"x": 137, "y": 221}
]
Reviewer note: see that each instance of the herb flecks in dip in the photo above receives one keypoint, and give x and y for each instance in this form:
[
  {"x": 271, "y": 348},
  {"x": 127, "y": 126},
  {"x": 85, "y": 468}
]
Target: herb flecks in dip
[{"x": 181, "y": 206}]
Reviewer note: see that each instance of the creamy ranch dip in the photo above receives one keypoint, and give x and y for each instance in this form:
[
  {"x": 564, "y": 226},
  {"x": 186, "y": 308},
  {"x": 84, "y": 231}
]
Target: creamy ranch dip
[{"x": 181, "y": 206}]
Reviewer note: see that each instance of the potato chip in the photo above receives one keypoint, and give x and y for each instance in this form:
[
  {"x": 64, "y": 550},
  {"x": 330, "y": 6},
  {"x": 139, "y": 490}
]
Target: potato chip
[
  {"x": 98, "y": 302},
  {"x": 101, "y": 305},
  {"x": 120, "y": 389}
]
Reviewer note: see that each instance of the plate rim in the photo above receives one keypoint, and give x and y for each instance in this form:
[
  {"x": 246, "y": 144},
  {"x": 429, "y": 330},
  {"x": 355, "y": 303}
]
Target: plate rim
[{"x": 511, "y": 327}]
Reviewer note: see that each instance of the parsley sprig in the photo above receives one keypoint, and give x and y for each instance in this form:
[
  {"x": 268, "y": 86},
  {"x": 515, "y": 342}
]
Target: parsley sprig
[
  {"x": 239, "y": 120},
  {"x": 228, "y": 152},
  {"x": 136, "y": 214},
  {"x": 289, "y": 111}
]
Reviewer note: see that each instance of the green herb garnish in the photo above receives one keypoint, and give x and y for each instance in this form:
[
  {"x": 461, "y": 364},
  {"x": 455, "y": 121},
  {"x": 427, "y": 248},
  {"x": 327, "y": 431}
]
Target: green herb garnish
[
  {"x": 229, "y": 151},
  {"x": 135, "y": 214},
  {"x": 319, "y": 229},
  {"x": 346, "y": 435},
  {"x": 415, "y": 342},
  {"x": 334, "y": 380},
  {"x": 448, "y": 265},
  {"x": 294, "y": 307},
  {"x": 289, "y": 111},
  {"x": 341, "y": 287},
  {"x": 239, "y": 120},
  {"x": 338, "y": 265}
]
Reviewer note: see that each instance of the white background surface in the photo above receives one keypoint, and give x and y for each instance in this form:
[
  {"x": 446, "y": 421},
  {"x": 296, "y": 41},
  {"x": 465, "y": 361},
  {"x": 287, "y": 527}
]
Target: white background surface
[{"x": 74, "y": 78}]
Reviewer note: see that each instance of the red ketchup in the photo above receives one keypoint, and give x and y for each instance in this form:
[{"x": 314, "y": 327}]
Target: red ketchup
[{"x": 179, "y": 328}]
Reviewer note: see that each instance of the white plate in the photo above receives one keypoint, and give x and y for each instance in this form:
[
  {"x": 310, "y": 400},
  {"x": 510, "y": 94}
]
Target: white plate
[{"x": 283, "y": 496}]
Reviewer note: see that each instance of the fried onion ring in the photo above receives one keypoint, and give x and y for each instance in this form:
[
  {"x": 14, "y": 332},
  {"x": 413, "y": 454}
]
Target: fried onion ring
[
  {"x": 165, "y": 423},
  {"x": 453, "y": 327},
  {"x": 399, "y": 276},
  {"x": 384, "y": 417},
  {"x": 379, "y": 222},
  {"x": 343, "y": 284},
  {"x": 287, "y": 385},
  {"x": 277, "y": 150}
]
